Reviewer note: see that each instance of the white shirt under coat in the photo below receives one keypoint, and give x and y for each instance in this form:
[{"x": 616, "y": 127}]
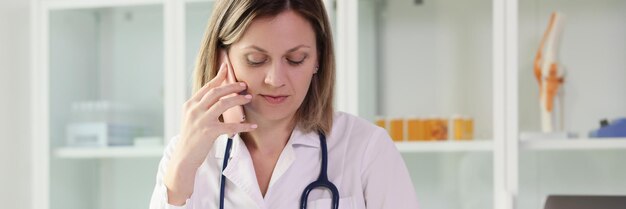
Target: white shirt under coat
[{"x": 363, "y": 163}]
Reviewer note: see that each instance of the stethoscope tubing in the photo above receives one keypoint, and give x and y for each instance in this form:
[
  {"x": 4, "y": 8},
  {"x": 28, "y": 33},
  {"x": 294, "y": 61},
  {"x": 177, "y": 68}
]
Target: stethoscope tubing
[
  {"x": 229, "y": 144},
  {"x": 322, "y": 180}
]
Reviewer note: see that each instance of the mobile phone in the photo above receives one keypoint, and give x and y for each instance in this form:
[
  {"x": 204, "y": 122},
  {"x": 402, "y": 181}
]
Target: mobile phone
[{"x": 234, "y": 114}]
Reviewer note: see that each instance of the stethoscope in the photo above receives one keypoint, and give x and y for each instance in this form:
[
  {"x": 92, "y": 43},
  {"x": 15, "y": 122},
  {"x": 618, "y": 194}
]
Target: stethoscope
[{"x": 322, "y": 179}]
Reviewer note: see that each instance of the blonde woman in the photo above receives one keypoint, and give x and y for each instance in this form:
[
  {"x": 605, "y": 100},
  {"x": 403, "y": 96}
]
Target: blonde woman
[{"x": 292, "y": 150}]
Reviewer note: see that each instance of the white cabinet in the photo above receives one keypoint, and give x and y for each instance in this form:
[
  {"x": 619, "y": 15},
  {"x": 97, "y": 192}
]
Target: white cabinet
[
  {"x": 593, "y": 48},
  {"x": 98, "y": 68},
  {"x": 428, "y": 59},
  {"x": 395, "y": 59},
  {"x": 475, "y": 58}
]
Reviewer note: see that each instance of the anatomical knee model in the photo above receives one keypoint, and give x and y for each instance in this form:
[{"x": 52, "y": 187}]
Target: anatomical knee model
[{"x": 550, "y": 74}]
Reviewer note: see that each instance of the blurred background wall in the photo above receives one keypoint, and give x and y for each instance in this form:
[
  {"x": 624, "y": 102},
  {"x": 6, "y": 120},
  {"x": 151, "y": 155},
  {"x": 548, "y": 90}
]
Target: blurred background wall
[{"x": 14, "y": 104}]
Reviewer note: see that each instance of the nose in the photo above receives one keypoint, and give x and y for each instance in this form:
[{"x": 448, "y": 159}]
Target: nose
[{"x": 276, "y": 75}]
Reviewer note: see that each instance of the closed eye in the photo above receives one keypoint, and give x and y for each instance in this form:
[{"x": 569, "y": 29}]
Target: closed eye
[
  {"x": 296, "y": 62},
  {"x": 256, "y": 59},
  {"x": 255, "y": 63}
]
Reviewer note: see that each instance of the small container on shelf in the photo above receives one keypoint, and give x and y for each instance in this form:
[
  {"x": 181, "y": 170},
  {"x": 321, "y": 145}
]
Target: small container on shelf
[
  {"x": 429, "y": 124},
  {"x": 438, "y": 129},
  {"x": 433, "y": 128},
  {"x": 396, "y": 129},
  {"x": 615, "y": 129},
  {"x": 416, "y": 129},
  {"x": 100, "y": 134},
  {"x": 469, "y": 128},
  {"x": 463, "y": 128},
  {"x": 381, "y": 122}
]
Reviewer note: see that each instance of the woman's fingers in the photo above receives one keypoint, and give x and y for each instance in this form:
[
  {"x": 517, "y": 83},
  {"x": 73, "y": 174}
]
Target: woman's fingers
[
  {"x": 226, "y": 103},
  {"x": 215, "y": 94},
  {"x": 215, "y": 82},
  {"x": 233, "y": 128}
]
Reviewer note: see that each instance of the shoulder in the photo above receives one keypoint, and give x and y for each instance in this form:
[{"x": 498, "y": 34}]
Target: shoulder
[
  {"x": 346, "y": 124},
  {"x": 358, "y": 133},
  {"x": 359, "y": 143}
]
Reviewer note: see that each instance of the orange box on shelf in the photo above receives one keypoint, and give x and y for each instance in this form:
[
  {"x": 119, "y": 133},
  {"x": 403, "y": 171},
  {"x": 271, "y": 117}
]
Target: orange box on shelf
[
  {"x": 469, "y": 128},
  {"x": 429, "y": 124},
  {"x": 463, "y": 128},
  {"x": 439, "y": 129},
  {"x": 381, "y": 122},
  {"x": 396, "y": 129},
  {"x": 416, "y": 129},
  {"x": 459, "y": 126},
  {"x": 428, "y": 129}
]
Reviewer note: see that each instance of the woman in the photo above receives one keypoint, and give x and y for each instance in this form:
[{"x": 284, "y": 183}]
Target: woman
[{"x": 281, "y": 54}]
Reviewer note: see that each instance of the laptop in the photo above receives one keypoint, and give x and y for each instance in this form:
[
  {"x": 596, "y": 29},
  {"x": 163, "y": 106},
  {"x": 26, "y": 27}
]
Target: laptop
[{"x": 585, "y": 202}]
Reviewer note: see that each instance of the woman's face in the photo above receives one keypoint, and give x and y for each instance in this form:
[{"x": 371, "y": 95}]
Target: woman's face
[{"x": 276, "y": 57}]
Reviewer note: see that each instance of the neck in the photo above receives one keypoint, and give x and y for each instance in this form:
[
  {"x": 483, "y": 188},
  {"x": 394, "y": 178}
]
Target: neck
[{"x": 270, "y": 137}]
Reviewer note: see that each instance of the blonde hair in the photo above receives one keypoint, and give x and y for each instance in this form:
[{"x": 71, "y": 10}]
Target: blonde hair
[{"x": 229, "y": 20}]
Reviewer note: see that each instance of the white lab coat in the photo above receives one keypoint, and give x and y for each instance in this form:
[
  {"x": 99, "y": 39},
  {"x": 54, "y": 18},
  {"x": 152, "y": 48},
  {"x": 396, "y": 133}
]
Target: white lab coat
[{"x": 363, "y": 163}]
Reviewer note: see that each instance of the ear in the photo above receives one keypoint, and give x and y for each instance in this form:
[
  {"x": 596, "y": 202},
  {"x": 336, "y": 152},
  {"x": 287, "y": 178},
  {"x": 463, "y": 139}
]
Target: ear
[
  {"x": 224, "y": 58},
  {"x": 221, "y": 55}
]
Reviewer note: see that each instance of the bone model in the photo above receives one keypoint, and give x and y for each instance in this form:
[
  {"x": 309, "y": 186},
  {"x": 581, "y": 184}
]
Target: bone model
[{"x": 549, "y": 73}]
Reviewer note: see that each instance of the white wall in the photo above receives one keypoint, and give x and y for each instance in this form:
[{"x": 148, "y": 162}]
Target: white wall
[{"x": 14, "y": 104}]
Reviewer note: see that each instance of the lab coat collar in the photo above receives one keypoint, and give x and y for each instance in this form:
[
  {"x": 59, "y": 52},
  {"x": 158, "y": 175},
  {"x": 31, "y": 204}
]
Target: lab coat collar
[
  {"x": 288, "y": 155},
  {"x": 297, "y": 137},
  {"x": 310, "y": 139},
  {"x": 240, "y": 169}
]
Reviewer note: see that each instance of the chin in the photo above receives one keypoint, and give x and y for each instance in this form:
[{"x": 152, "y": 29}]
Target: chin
[
  {"x": 271, "y": 113},
  {"x": 277, "y": 114}
]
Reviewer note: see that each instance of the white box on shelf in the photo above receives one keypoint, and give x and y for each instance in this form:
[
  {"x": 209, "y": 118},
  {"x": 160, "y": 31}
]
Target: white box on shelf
[
  {"x": 147, "y": 141},
  {"x": 100, "y": 134}
]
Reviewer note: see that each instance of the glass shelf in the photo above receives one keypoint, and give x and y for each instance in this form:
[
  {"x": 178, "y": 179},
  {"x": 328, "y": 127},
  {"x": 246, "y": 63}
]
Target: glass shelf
[
  {"x": 106, "y": 68},
  {"x": 110, "y": 152},
  {"x": 445, "y": 146},
  {"x": 574, "y": 144}
]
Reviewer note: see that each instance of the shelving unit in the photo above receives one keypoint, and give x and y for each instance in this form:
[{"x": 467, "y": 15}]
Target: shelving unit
[
  {"x": 574, "y": 144},
  {"x": 445, "y": 146},
  {"x": 97, "y": 52},
  {"x": 427, "y": 60},
  {"x": 592, "y": 50},
  {"x": 394, "y": 59},
  {"x": 110, "y": 152},
  {"x": 409, "y": 71}
]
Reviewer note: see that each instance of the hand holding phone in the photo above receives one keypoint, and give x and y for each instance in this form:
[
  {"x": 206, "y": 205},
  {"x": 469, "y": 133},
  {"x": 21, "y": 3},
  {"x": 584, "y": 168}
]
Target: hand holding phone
[
  {"x": 200, "y": 127},
  {"x": 234, "y": 114}
]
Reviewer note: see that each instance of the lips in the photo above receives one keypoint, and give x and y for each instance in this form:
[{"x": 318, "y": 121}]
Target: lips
[{"x": 274, "y": 99}]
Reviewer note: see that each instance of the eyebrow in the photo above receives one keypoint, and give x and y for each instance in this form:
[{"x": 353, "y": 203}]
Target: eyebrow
[{"x": 288, "y": 51}]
